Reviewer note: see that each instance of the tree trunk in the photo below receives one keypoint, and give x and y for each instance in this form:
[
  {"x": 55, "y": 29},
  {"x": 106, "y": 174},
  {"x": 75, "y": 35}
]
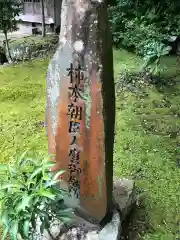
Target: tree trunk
[
  {"x": 43, "y": 19},
  {"x": 7, "y": 47},
  {"x": 60, "y": 15}
]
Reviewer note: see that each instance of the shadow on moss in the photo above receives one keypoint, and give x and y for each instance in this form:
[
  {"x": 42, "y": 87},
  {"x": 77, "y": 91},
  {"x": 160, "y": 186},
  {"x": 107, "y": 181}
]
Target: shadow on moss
[
  {"x": 136, "y": 82},
  {"x": 137, "y": 223}
]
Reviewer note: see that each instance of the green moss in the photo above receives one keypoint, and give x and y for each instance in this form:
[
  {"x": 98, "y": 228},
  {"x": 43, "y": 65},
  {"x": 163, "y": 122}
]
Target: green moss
[
  {"x": 125, "y": 61},
  {"x": 22, "y": 104},
  {"x": 147, "y": 149}
]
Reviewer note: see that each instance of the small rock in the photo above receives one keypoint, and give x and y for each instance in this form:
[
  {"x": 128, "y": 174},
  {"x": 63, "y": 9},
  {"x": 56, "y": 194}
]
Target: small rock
[
  {"x": 124, "y": 195},
  {"x": 112, "y": 230}
]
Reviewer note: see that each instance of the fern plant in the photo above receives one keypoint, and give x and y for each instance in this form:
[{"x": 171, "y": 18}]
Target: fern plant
[{"x": 30, "y": 194}]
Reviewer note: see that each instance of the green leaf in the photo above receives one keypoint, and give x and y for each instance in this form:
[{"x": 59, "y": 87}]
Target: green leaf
[
  {"x": 41, "y": 213},
  {"x": 172, "y": 38},
  {"x": 29, "y": 161},
  {"x": 33, "y": 220},
  {"x": 3, "y": 167},
  {"x": 30, "y": 182},
  {"x": 35, "y": 173},
  {"x": 51, "y": 183},
  {"x": 21, "y": 159},
  {"x": 10, "y": 186},
  {"x": 4, "y": 218},
  {"x": 66, "y": 212},
  {"x": 11, "y": 170},
  {"x": 61, "y": 194},
  {"x": 58, "y": 174},
  {"x": 42, "y": 227},
  {"x": 24, "y": 203},
  {"x": 47, "y": 194},
  {"x": 46, "y": 177},
  {"x": 26, "y": 228},
  {"x": 28, "y": 169},
  {"x": 5, "y": 232},
  {"x": 16, "y": 198},
  {"x": 36, "y": 200},
  {"x": 59, "y": 197},
  {"x": 46, "y": 222},
  {"x": 14, "y": 230},
  {"x": 48, "y": 165}
]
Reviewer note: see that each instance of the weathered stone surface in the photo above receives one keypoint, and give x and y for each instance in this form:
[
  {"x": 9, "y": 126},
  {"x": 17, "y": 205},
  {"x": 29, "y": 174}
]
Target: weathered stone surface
[
  {"x": 84, "y": 42},
  {"x": 112, "y": 230},
  {"x": 78, "y": 228},
  {"x": 81, "y": 229},
  {"x": 124, "y": 195}
]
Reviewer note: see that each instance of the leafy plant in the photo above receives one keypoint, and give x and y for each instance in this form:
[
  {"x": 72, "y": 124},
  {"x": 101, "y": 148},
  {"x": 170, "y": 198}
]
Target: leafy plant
[
  {"x": 134, "y": 22},
  {"x": 152, "y": 55},
  {"x": 29, "y": 195}
]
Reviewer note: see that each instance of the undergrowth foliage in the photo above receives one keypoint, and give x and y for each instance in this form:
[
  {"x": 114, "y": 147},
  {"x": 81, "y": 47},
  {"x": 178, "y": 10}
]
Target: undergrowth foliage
[
  {"x": 28, "y": 194},
  {"x": 134, "y": 23},
  {"x": 149, "y": 28},
  {"x": 133, "y": 81}
]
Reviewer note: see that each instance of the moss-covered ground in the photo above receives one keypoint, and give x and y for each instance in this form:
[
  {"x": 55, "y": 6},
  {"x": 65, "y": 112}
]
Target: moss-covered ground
[{"x": 147, "y": 144}]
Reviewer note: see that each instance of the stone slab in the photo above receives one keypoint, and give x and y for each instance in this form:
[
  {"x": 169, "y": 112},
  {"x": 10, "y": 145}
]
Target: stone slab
[
  {"x": 81, "y": 105},
  {"x": 112, "y": 230},
  {"x": 81, "y": 225},
  {"x": 124, "y": 195}
]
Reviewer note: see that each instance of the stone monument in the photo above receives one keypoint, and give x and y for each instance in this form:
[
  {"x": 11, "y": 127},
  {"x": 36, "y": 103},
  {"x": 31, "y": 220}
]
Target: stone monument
[{"x": 81, "y": 106}]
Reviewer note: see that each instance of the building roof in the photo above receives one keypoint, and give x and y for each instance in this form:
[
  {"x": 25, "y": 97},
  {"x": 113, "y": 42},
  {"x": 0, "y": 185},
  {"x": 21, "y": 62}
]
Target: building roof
[{"x": 34, "y": 18}]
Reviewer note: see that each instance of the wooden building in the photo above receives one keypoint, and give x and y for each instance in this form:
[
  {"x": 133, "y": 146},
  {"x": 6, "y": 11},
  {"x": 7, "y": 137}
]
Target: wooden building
[{"x": 31, "y": 17}]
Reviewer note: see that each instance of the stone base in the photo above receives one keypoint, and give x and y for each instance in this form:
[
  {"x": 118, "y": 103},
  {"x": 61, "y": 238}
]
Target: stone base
[
  {"x": 124, "y": 195},
  {"x": 83, "y": 228},
  {"x": 124, "y": 199}
]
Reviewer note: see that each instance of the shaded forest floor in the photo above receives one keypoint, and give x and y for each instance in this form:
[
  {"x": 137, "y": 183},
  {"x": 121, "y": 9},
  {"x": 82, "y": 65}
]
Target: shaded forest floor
[
  {"x": 147, "y": 144},
  {"x": 147, "y": 147}
]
